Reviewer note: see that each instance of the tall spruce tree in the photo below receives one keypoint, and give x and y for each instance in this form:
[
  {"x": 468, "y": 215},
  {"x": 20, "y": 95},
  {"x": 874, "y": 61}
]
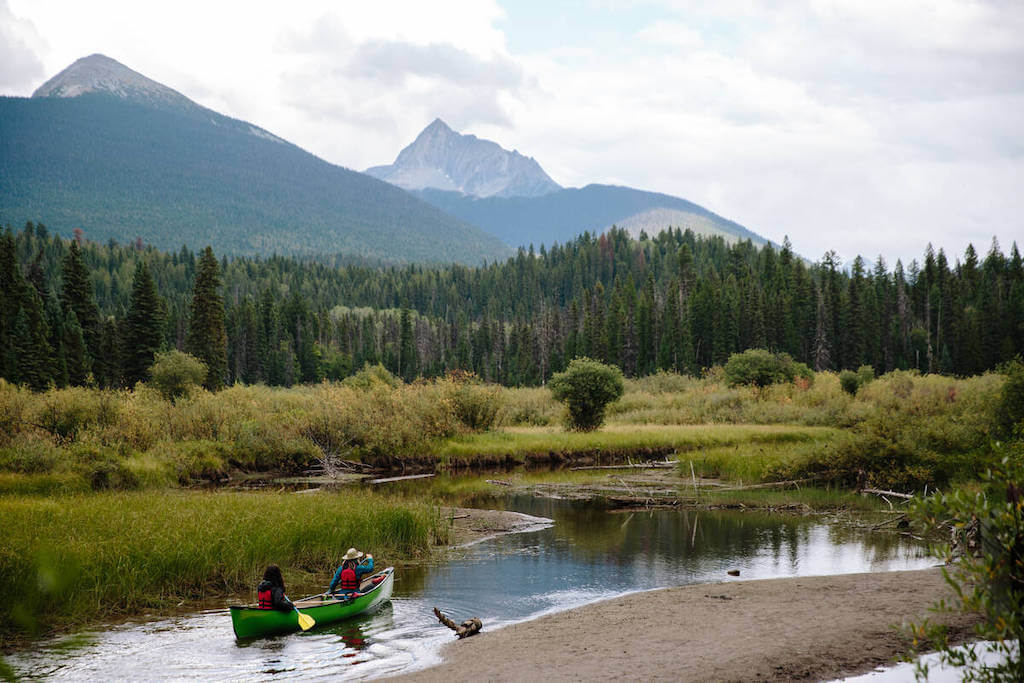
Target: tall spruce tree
[
  {"x": 77, "y": 295},
  {"x": 143, "y": 329},
  {"x": 207, "y": 337}
]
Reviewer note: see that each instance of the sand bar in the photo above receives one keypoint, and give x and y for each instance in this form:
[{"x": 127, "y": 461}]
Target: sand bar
[{"x": 814, "y": 628}]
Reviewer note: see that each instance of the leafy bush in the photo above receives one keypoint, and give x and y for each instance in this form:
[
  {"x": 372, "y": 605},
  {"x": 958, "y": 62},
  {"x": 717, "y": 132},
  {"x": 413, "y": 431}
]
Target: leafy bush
[
  {"x": 852, "y": 381},
  {"x": 989, "y": 576},
  {"x": 1010, "y": 410},
  {"x": 760, "y": 368},
  {"x": 587, "y": 387},
  {"x": 476, "y": 404},
  {"x": 849, "y": 381},
  {"x": 371, "y": 376},
  {"x": 176, "y": 374}
]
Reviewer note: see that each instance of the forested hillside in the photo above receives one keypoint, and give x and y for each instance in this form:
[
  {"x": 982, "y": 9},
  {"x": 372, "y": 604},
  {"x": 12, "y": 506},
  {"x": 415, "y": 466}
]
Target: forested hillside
[
  {"x": 563, "y": 215},
  {"x": 673, "y": 302},
  {"x": 121, "y": 169}
]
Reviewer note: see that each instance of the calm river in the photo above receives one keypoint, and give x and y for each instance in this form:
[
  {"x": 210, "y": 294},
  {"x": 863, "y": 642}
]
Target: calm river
[{"x": 586, "y": 555}]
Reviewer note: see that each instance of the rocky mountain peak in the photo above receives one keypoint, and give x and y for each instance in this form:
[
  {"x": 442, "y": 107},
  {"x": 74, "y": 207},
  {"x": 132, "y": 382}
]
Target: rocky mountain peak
[
  {"x": 100, "y": 74},
  {"x": 444, "y": 159}
]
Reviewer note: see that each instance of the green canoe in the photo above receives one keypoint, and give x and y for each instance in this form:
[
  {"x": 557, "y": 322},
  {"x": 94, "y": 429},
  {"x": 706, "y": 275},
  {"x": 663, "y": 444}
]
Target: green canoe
[{"x": 252, "y": 622}]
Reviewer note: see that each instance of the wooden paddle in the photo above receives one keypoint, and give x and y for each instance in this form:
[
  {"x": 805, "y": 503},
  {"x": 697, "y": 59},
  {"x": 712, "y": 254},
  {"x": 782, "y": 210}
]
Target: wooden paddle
[{"x": 306, "y": 622}]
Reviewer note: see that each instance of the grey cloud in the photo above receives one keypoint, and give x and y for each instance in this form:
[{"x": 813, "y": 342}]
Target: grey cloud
[
  {"x": 20, "y": 67},
  {"x": 393, "y": 62}
]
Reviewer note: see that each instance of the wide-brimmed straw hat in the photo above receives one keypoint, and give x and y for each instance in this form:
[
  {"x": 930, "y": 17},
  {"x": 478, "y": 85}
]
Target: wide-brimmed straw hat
[{"x": 352, "y": 554}]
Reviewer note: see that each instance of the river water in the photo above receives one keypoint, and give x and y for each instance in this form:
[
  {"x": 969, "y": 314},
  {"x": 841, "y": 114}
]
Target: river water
[{"x": 584, "y": 556}]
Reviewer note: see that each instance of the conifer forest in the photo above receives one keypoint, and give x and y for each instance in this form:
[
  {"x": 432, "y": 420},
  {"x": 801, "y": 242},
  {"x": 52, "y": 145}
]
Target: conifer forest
[{"x": 73, "y": 312}]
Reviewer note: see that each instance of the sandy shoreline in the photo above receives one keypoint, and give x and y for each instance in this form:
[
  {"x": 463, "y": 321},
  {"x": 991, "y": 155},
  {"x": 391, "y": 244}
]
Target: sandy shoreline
[{"x": 810, "y": 628}]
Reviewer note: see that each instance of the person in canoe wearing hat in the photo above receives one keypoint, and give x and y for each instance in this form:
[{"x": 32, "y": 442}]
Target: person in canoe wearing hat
[{"x": 346, "y": 580}]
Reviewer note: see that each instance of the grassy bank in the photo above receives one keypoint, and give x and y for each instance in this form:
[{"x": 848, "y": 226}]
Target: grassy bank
[
  {"x": 520, "y": 443},
  {"x": 77, "y": 558}
]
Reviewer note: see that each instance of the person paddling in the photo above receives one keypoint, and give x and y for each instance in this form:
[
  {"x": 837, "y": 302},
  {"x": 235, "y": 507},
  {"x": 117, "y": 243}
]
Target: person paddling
[
  {"x": 348, "y": 576},
  {"x": 270, "y": 592}
]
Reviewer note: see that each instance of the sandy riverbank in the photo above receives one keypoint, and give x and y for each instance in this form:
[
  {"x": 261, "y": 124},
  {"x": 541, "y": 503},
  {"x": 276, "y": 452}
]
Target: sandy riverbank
[{"x": 780, "y": 629}]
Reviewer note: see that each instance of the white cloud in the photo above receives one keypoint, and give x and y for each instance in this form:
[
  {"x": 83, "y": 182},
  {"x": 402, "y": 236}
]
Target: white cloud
[
  {"x": 868, "y": 126},
  {"x": 20, "y": 66}
]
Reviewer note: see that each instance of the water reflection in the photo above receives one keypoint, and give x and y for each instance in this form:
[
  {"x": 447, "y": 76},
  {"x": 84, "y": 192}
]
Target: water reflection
[{"x": 587, "y": 555}]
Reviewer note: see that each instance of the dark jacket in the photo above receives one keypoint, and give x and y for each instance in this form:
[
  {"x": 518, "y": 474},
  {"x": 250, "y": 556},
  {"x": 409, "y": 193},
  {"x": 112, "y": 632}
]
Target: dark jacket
[{"x": 278, "y": 600}]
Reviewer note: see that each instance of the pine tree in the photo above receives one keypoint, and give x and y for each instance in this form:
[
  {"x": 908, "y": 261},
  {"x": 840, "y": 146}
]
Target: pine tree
[
  {"x": 143, "y": 330},
  {"x": 207, "y": 337}
]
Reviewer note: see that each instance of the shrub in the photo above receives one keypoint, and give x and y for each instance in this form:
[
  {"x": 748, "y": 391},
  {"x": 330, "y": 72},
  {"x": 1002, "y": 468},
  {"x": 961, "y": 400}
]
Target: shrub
[
  {"x": 587, "y": 387},
  {"x": 531, "y": 406},
  {"x": 760, "y": 368},
  {"x": 176, "y": 374},
  {"x": 476, "y": 404},
  {"x": 1010, "y": 409},
  {"x": 371, "y": 376},
  {"x": 849, "y": 381},
  {"x": 989, "y": 576}
]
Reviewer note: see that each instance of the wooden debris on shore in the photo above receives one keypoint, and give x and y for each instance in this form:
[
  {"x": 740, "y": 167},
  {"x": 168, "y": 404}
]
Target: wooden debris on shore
[
  {"x": 771, "y": 484},
  {"x": 498, "y": 482},
  {"x": 468, "y": 628},
  {"x": 407, "y": 476},
  {"x": 894, "y": 494}
]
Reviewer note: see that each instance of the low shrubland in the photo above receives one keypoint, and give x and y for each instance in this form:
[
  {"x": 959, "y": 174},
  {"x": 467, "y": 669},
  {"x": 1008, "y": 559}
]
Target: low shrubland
[
  {"x": 900, "y": 430},
  {"x": 74, "y": 558}
]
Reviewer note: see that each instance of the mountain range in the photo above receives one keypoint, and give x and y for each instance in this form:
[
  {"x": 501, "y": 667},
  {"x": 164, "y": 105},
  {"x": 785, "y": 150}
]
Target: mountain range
[
  {"x": 510, "y": 196},
  {"x": 103, "y": 148}
]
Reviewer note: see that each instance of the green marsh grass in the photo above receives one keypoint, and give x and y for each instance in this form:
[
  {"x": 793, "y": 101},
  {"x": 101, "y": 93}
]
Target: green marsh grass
[
  {"x": 518, "y": 442},
  {"x": 76, "y": 558}
]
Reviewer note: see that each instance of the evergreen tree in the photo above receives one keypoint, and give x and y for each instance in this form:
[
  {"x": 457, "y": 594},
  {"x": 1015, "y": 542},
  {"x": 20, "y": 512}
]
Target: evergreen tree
[
  {"x": 77, "y": 295},
  {"x": 143, "y": 330},
  {"x": 207, "y": 337}
]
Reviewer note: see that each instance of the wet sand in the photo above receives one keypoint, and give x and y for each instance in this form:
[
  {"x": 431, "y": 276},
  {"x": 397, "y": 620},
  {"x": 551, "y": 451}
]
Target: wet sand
[{"x": 815, "y": 628}]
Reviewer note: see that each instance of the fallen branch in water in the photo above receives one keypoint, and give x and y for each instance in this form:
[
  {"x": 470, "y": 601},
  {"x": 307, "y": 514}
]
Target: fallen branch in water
[
  {"x": 894, "y": 494},
  {"x": 770, "y": 484},
  {"x": 466, "y": 629}
]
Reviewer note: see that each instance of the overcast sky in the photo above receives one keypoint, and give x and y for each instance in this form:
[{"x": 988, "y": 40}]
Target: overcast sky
[{"x": 865, "y": 126}]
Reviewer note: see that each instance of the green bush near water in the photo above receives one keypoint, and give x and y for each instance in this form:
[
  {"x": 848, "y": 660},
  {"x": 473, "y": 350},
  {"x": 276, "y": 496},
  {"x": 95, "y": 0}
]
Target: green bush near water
[{"x": 75, "y": 558}]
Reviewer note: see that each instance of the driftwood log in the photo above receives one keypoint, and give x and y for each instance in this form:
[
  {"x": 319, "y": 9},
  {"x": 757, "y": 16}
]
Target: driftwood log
[{"x": 468, "y": 628}]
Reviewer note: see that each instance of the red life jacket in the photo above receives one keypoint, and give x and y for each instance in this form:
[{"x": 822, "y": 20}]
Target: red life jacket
[
  {"x": 348, "y": 580},
  {"x": 265, "y": 599}
]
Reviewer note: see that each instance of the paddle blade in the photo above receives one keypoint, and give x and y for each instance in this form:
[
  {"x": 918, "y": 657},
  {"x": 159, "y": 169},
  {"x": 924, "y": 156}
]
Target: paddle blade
[{"x": 306, "y": 622}]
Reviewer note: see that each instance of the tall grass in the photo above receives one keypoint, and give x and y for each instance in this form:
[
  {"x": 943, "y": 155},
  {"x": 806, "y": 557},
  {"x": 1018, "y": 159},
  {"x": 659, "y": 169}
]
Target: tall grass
[
  {"x": 916, "y": 426},
  {"x": 69, "y": 559},
  {"x": 632, "y": 440}
]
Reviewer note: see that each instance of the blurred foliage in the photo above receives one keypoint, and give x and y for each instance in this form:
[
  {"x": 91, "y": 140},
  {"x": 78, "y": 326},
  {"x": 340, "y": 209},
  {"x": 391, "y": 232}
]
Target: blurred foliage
[{"x": 987, "y": 571}]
